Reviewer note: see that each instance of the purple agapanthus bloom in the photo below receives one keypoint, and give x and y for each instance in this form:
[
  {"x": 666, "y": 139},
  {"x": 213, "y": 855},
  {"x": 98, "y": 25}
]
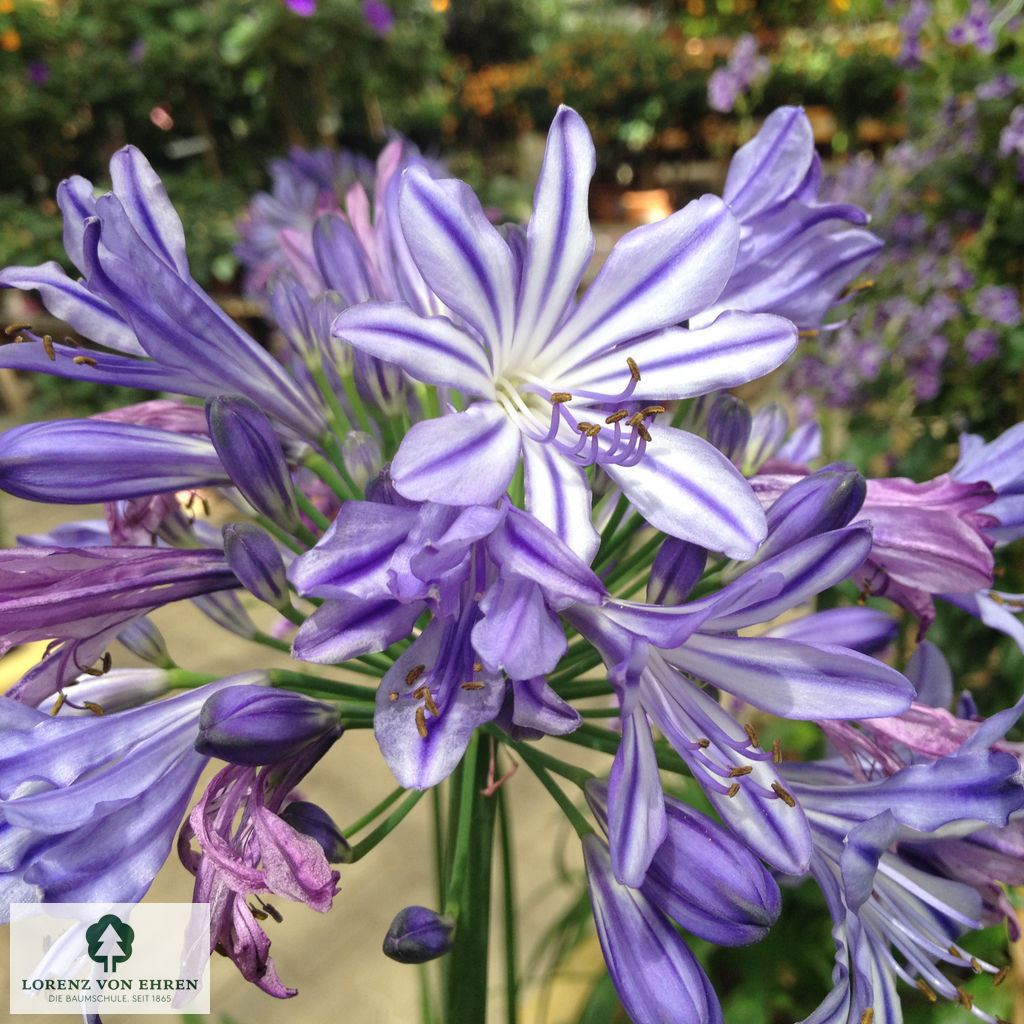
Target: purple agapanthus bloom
[
  {"x": 563, "y": 384},
  {"x": 494, "y": 580},
  {"x": 248, "y": 848},
  {"x": 89, "y": 804},
  {"x": 137, "y": 299},
  {"x": 744, "y": 70},
  {"x": 378, "y": 16},
  {"x": 654, "y": 651}
]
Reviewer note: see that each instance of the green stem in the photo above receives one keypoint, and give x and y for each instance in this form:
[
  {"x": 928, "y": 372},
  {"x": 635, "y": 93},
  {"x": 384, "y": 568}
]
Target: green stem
[
  {"x": 634, "y": 561},
  {"x": 570, "y": 672},
  {"x": 343, "y": 489},
  {"x": 312, "y": 512},
  {"x": 365, "y": 820},
  {"x": 536, "y": 764},
  {"x": 357, "y": 403},
  {"x": 285, "y": 538},
  {"x": 181, "y": 679},
  {"x": 535, "y": 756},
  {"x": 386, "y": 827},
  {"x": 271, "y": 641},
  {"x": 508, "y": 900},
  {"x": 303, "y": 682}
]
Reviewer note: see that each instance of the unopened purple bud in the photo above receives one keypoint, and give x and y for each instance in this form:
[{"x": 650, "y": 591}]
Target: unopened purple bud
[
  {"x": 252, "y": 455},
  {"x": 145, "y": 641},
  {"x": 255, "y": 725},
  {"x": 255, "y": 559},
  {"x": 729, "y": 426},
  {"x": 313, "y": 821},
  {"x": 361, "y": 455},
  {"x": 226, "y": 610},
  {"x": 768, "y": 427},
  {"x": 418, "y": 934},
  {"x": 677, "y": 567},
  {"x": 825, "y": 500}
]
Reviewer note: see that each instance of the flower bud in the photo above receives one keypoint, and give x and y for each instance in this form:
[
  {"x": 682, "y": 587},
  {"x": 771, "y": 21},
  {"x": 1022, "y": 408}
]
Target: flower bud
[
  {"x": 418, "y": 934},
  {"x": 253, "y": 457},
  {"x": 729, "y": 426},
  {"x": 255, "y": 725},
  {"x": 313, "y": 821},
  {"x": 255, "y": 559},
  {"x": 145, "y": 641}
]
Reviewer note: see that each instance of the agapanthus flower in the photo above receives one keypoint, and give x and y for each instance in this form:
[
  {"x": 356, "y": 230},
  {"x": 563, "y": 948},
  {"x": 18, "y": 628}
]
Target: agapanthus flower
[
  {"x": 89, "y": 803},
  {"x": 541, "y": 367}
]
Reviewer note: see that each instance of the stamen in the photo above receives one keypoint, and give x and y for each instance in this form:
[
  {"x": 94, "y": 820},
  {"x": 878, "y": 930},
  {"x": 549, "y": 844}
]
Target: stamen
[
  {"x": 652, "y": 410},
  {"x": 703, "y": 743},
  {"x": 1001, "y": 976},
  {"x": 966, "y": 1000},
  {"x": 84, "y": 361},
  {"x": 868, "y": 1016},
  {"x": 93, "y": 707},
  {"x": 810, "y": 332},
  {"x": 635, "y": 420},
  {"x": 976, "y": 966},
  {"x": 48, "y": 347},
  {"x": 616, "y": 416},
  {"x": 926, "y": 989},
  {"x": 472, "y": 686},
  {"x": 734, "y": 789},
  {"x": 751, "y": 734},
  {"x": 421, "y": 722},
  {"x": 953, "y": 951},
  {"x": 414, "y": 674},
  {"x": 784, "y": 795},
  {"x": 634, "y": 370},
  {"x": 392, "y": 696},
  {"x": 271, "y": 910},
  {"x": 643, "y": 432},
  {"x": 15, "y": 328},
  {"x": 424, "y": 694},
  {"x": 59, "y": 703},
  {"x": 19, "y": 339},
  {"x": 740, "y": 769},
  {"x": 593, "y": 429},
  {"x": 260, "y": 915},
  {"x": 478, "y": 666},
  {"x": 560, "y": 396},
  {"x": 777, "y": 750}
]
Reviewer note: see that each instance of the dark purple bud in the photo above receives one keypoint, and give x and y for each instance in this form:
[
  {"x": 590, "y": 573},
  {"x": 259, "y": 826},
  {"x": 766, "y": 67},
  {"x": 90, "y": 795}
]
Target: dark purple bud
[
  {"x": 252, "y": 455},
  {"x": 676, "y": 569},
  {"x": 418, "y": 934},
  {"x": 825, "y": 500},
  {"x": 145, "y": 641},
  {"x": 255, "y": 559},
  {"x": 729, "y": 426},
  {"x": 313, "y": 821},
  {"x": 255, "y": 725}
]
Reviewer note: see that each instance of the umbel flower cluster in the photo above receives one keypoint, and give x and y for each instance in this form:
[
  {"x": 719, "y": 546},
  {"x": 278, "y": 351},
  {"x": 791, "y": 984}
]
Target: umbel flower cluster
[{"x": 517, "y": 508}]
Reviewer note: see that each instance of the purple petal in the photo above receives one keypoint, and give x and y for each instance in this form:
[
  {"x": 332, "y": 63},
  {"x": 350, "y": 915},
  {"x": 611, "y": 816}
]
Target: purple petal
[
  {"x": 431, "y": 349},
  {"x": 343, "y": 629},
  {"x": 688, "y": 489},
  {"x": 465, "y": 458},
  {"x": 460, "y": 254}
]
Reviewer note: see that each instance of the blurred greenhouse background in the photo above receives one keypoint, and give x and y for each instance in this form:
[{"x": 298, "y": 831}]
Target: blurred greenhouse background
[{"x": 918, "y": 117}]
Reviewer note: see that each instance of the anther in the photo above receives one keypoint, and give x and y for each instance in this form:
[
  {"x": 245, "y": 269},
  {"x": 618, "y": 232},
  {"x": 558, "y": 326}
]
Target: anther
[
  {"x": 272, "y": 911},
  {"x": 93, "y": 707},
  {"x": 643, "y": 432},
  {"x": 260, "y": 915},
  {"x": 583, "y": 426},
  {"x": 810, "y": 332},
  {"x": 703, "y": 743},
  {"x": 84, "y": 361},
  {"x": 926, "y": 989},
  {"x": 421, "y": 722},
  {"x": 777, "y": 750},
  {"x": 652, "y": 410},
  {"x": 19, "y": 339},
  {"x": 634, "y": 370},
  {"x": 751, "y": 734},
  {"x": 1000, "y": 977},
  {"x": 966, "y": 1000},
  {"x": 784, "y": 795},
  {"x": 424, "y": 694},
  {"x": 48, "y": 347},
  {"x": 14, "y": 328},
  {"x": 392, "y": 696},
  {"x": 472, "y": 686},
  {"x": 560, "y": 396},
  {"x": 975, "y": 965},
  {"x": 868, "y": 1016},
  {"x": 59, "y": 703},
  {"x": 616, "y": 416},
  {"x": 953, "y": 951},
  {"x": 635, "y": 420},
  {"x": 733, "y": 789},
  {"x": 478, "y": 666},
  {"x": 414, "y": 674},
  {"x": 740, "y": 769},
  {"x": 593, "y": 429}
]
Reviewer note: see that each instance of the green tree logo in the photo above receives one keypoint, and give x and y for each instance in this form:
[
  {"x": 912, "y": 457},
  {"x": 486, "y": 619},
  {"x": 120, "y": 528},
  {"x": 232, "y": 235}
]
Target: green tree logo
[{"x": 110, "y": 942}]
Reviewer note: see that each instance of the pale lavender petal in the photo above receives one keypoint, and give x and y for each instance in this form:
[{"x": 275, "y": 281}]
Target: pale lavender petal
[
  {"x": 342, "y": 629},
  {"x": 536, "y": 707},
  {"x": 466, "y": 458},
  {"x": 460, "y": 254},
  {"x": 517, "y": 634},
  {"x": 77, "y": 201},
  {"x": 559, "y": 240},
  {"x": 431, "y": 349},
  {"x": 796, "y": 680},
  {"x": 679, "y": 363},
  {"x": 688, "y": 489},
  {"x": 656, "y": 276}
]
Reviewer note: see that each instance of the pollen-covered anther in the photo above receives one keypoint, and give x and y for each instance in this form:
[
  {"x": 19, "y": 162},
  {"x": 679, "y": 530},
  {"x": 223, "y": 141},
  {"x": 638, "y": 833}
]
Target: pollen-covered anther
[
  {"x": 703, "y": 743},
  {"x": 616, "y": 417},
  {"x": 424, "y": 694},
  {"x": 392, "y": 696},
  {"x": 868, "y": 1016},
  {"x": 976, "y": 966},
  {"x": 958, "y": 953},
  {"x": 783, "y": 794},
  {"x": 59, "y": 703},
  {"x": 593, "y": 429},
  {"x": 472, "y": 685},
  {"x": 558, "y": 397},
  {"x": 635, "y": 420},
  {"x": 15, "y": 328},
  {"x": 652, "y": 410},
  {"x": 93, "y": 707},
  {"x": 85, "y": 361},
  {"x": 809, "y": 332},
  {"x": 414, "y": 674},
  {"x": 740, "y": 769},
  {"x": 643, "y": 432},
  {"x": 1000, "y": 977},
  {"x": 926, "y": 989},
  {"x": 634, "y": 370},
  {"x": 966, "y": 1000},
  {"x": 777, "y": 751},
  {"x": 421, "y": 722},
  {"x": 733, "y": 789},
  {"x": 751, "y": 734},
  {"x": 48, "y": 347}
]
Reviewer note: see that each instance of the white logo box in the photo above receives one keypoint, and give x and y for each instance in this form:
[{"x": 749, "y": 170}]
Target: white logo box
[{"x": 110, "y": 957}]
